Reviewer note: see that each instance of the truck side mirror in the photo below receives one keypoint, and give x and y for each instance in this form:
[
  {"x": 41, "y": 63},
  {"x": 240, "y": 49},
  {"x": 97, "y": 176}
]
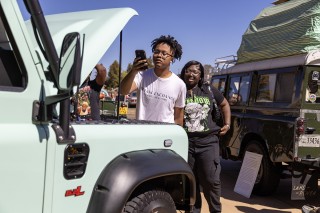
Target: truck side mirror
[{"x": 70, "y": 61}]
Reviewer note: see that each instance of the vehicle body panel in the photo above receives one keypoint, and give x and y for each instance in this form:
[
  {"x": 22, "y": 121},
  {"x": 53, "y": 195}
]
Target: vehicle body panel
[
  {"x": 104, "y": 148},
  {"x": 100, "y": 27},
  {"x": 274, "y": 123}
]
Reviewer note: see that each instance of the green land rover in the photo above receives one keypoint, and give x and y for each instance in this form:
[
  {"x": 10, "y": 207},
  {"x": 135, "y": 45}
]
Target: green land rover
[{"x": 273, "y": 88}]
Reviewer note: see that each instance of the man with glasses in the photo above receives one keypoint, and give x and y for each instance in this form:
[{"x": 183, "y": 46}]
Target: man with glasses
[{"x": 160, "y": 93}]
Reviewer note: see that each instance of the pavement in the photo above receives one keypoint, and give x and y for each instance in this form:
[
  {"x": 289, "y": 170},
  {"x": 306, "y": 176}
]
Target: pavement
[{"x": 232, "y": 202}]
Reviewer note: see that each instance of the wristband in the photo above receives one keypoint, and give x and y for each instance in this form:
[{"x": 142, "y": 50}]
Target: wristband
[{"x": 227, "y": 126}]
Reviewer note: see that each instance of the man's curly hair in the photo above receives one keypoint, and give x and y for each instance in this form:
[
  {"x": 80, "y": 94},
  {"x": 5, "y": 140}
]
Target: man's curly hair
[{"x": 169, "y": 40}]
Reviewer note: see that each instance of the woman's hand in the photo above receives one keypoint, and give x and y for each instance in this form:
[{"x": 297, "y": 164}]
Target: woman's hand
[{"x": 224, "y": 129}]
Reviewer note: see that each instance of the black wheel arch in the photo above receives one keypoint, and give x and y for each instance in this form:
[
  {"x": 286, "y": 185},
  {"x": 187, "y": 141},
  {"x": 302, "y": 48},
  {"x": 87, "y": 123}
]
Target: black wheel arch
[
  {"x": 269, "y": 174},
  {"x": 252, "y": 137},
  {"x": 133, "y": 171}
]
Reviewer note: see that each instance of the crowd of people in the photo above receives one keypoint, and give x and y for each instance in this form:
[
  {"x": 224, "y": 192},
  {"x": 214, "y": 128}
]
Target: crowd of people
[{"x": 186, "y": 100}]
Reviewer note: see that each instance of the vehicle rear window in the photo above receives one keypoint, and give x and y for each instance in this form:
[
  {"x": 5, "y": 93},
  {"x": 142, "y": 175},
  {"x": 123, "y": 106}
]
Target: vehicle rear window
[
  {"x": 219, "y": 83},
  {"x": 276, "y": 87},
  {"x": 238, "y": 90}
]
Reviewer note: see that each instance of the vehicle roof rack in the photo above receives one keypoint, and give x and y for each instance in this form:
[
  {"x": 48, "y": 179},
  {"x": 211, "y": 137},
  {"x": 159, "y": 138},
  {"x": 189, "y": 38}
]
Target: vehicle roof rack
[{"x": 225, "y": 62}]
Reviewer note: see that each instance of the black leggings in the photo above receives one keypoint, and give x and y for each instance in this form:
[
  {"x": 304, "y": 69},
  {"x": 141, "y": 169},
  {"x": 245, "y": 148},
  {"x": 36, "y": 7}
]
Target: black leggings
[{"x": 204, "y": 160}]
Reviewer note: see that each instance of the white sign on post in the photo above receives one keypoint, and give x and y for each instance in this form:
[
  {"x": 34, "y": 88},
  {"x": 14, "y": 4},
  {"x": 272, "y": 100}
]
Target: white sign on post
[{"x": 248, "y": 174}]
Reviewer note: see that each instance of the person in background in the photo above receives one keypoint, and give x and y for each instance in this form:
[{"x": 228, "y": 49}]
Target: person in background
[
  {"x": 160, "y": 92},
  {"x": 113, "y": 97},
  {"x": 233, "y": 99},
  {"x": 203, "y": 133},
  {"x": 96, "y": 81},
  {"x": 84, "y": 109}
]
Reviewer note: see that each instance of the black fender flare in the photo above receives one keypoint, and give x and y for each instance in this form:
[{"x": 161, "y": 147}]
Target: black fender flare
[{"x": 127, "y": 171}]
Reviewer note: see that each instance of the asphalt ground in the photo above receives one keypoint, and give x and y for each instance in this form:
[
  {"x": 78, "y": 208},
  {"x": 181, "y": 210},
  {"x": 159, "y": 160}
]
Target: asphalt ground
[{"x": 232, "y": 202}]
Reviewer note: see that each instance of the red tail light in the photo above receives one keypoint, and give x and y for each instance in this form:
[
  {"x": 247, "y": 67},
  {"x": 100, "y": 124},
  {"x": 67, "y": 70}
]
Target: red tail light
[
  {"x": 300, "y": 122},
  {"x": 300, "y": 126},
  {"x": 300, "y": 130}
]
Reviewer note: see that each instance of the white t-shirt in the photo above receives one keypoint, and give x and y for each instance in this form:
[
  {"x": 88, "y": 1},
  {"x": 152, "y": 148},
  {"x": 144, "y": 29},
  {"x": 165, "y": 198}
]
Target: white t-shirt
[{"x": 157, "y": 97}]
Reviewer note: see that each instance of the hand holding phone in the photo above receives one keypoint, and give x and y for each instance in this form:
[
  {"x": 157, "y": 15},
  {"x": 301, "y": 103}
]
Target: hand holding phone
[{"x": 141, "y": 54}]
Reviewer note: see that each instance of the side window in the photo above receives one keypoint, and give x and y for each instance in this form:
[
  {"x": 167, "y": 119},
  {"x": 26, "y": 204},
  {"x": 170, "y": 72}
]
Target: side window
[
  {"x": 244, "y": 89},
  {"x": 11, "y": 77},
  {"x": 284, "y": 88},
  {"x": 238, "y": 92},
  {"x": 277, "y": 88},
  {"x": 215, "y": 83},
  {"x": 266, "y": 88},
  {"x": 219, "y": 83},
  {"x": 233, "y": 90}
]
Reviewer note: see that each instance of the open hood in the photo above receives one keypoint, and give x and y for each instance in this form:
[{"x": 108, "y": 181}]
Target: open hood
[{"x": 100, "y": 27}]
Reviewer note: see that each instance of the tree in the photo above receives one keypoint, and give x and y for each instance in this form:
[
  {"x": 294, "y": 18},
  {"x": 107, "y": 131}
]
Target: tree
[
  {"x": 129, "y": 67},
  {"x": 113, "y": 75},
  {"x": 123, "y": 74},
  {"x": 207, "y": 72},
  {"x": 149, "y": 61}
]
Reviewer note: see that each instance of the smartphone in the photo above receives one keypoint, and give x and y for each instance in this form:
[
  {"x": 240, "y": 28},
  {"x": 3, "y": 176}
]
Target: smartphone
[{"x": 142, "y": 55}]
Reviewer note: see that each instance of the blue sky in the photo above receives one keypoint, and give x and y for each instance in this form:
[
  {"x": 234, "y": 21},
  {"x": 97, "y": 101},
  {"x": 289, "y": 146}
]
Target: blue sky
[{"x": 206, "y": 29}]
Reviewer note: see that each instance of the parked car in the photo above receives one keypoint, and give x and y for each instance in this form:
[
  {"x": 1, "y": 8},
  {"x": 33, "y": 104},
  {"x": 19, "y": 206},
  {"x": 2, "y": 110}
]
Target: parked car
[
  {"x": 108, "y": 107},
  {"x": 132, "y": 100}
]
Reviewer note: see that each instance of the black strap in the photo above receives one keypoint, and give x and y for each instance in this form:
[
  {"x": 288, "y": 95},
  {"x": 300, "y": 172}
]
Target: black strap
[{"x": 215, "y": 108}]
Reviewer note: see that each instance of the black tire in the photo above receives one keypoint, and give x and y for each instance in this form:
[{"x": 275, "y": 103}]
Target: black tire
[
  {"x": 268, "y": 176},
  {"x": 151, "y": 201}
]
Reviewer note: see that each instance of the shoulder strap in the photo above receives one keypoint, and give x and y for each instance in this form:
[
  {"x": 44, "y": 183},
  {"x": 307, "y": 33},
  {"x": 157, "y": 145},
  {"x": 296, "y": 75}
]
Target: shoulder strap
[
  {"x": 215, "y": 107},
  {"x": 211, "y": 93}
]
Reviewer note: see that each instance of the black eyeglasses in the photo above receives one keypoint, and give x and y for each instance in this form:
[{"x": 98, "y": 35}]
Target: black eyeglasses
[
  {"x": 164, "y": 54},
  {"x": 193, "y": 72}
]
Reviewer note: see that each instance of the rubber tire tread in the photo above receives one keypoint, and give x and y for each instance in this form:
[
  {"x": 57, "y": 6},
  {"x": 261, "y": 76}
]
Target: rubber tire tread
[{"x": 147, "y": 201}]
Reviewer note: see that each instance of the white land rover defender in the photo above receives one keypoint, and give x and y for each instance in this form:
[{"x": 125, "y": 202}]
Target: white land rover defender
[{"x": 50, "y": 164}]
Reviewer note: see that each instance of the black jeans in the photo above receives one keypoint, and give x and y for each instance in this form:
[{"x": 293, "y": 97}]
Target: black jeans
[{"x": 205, "y": 163}]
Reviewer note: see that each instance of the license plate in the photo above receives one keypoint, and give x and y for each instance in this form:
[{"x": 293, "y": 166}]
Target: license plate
[
  {"x": 309, "y": 141},
  {"x": 123, "y": 110}
]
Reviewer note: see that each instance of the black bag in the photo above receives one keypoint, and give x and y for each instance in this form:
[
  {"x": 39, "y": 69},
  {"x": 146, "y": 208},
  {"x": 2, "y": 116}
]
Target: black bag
[{"x": 216, "y": 112}]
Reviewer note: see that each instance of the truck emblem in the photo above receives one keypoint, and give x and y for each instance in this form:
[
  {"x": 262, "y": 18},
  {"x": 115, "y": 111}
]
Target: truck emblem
[
  {"x": 312, "y": 98},
  {"x": 76, "y": 192}
]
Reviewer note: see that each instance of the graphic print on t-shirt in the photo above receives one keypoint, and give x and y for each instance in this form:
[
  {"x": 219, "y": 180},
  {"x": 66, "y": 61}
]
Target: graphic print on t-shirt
[
  {"x": 196, "y": 114},
  {"x": 158, "y": 95}
]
